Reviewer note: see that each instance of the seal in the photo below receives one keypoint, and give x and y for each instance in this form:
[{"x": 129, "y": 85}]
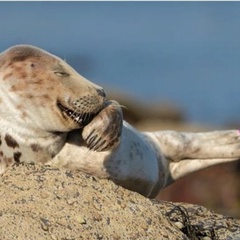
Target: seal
[{"x": 50, "y": 114}]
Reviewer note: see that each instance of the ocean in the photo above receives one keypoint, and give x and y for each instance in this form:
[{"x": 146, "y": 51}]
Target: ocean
[{"x": 187, "y": 53}]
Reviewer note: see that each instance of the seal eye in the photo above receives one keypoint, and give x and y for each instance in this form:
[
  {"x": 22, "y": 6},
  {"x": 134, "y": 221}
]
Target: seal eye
[{"x": 62, "y": 74}]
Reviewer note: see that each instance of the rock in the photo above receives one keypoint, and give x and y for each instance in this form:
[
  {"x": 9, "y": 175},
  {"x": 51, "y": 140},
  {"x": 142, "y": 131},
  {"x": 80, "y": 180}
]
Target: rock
[
  {"x": 41, "y": 202},
  {"x": 206, "y": 188}
]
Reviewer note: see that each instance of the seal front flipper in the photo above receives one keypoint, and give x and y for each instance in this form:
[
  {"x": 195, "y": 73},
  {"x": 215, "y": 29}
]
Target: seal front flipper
[{"x": 104, "y": 131}]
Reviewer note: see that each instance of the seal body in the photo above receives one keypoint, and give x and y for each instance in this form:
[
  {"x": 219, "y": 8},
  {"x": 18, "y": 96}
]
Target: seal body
[
  {"x": 52, "y": 115},
  {"x": 133, "y": 164}
]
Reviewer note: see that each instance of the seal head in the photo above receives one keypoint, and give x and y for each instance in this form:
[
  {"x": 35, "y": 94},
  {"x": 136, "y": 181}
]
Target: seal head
[{"x": 58, "y": 98}]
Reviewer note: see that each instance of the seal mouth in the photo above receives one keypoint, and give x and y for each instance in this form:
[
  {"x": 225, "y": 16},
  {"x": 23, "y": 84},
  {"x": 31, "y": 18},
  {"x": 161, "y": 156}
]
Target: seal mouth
[{"x": 80, "y": 118}]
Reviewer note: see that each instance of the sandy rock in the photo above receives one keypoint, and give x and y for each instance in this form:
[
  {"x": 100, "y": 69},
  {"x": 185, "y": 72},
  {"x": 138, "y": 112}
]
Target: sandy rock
[{"x": 40, "y": 202}]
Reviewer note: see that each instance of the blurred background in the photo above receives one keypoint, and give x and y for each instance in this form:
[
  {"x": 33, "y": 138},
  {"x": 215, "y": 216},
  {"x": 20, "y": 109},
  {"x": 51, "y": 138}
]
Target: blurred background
[{"x": 174, "y": 65}]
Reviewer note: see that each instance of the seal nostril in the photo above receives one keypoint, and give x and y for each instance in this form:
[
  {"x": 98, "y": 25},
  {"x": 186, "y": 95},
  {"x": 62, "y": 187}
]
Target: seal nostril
[{"x": 101, "y": 92}]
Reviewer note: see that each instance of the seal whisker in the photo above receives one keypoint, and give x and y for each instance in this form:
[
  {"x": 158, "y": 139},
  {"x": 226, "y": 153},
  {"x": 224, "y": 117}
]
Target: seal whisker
[{"x": 81, "y": 118}]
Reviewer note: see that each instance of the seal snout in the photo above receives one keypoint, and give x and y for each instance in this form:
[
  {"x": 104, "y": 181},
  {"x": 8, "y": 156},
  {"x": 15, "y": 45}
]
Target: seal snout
[{"x": 101, "y": 92}]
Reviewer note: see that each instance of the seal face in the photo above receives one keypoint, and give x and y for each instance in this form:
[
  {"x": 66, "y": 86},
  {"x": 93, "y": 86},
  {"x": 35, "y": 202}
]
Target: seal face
[
  {"x": 42, "y": 99},
  {"x": 35, "y": 78}
]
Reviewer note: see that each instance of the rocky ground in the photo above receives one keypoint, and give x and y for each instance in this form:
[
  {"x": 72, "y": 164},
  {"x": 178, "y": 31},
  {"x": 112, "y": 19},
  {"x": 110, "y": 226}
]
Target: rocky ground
[{"x": 39, "y": 202}]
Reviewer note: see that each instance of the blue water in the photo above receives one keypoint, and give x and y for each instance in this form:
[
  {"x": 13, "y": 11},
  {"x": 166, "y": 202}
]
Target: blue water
[{"x": 184, "y": 52}]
